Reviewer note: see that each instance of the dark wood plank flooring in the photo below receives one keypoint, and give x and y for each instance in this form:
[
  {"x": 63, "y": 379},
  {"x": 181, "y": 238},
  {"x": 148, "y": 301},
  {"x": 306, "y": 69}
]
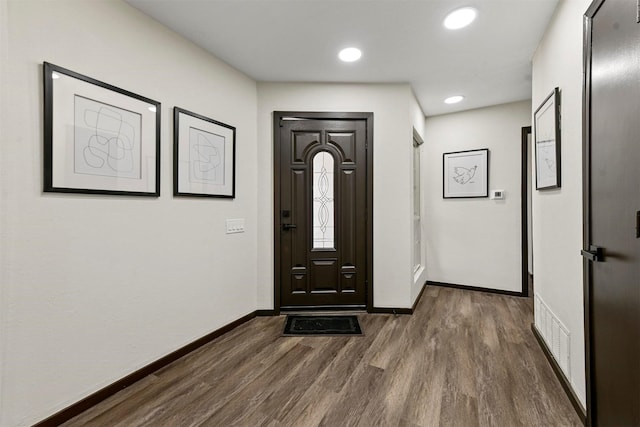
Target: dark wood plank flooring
[{"x": 463, "y": 358}]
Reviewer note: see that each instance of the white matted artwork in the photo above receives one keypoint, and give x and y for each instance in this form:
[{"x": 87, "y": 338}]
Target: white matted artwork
[
  {"x": 107, "y": 140},
  {"x": 98, "y": 138},
  {"x": 204, "y": 156},
  {"x": 547, "y": 142},
  {"x": 466, "y": 174}
]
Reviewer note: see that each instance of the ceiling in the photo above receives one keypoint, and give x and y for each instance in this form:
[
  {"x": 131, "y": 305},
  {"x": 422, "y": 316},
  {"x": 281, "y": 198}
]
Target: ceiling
[{"x": 488, "y": 62}]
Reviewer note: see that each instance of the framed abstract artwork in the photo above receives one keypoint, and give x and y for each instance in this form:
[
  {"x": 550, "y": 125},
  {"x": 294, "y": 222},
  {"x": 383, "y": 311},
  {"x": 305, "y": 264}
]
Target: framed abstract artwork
[
  {"x": 204, "y": 156},
  {"x": 466, "y": 174},
  {"x": 98, "y": 138},
  {"x": 547, "y": 142}
]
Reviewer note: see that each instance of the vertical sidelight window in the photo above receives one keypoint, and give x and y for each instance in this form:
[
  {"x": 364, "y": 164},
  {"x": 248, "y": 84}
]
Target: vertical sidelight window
[
  {"x": 323, "y": 201},
  {"x": 417, "y": 214}
]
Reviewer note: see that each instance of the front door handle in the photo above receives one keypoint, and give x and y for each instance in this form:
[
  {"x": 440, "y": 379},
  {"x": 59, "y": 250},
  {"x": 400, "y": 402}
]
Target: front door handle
[
  {"x": 595, "y": 253},
  {"x": 288, "y": 226}
]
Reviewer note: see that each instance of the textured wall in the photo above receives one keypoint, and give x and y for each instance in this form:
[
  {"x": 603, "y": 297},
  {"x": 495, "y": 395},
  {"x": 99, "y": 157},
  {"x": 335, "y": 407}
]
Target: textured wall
[
  {"x": 95, "y": 287},
  {"x": 392, "y": 161},
  {"x": 557, "y": 214},
  {"x": 476, "y": 242}
]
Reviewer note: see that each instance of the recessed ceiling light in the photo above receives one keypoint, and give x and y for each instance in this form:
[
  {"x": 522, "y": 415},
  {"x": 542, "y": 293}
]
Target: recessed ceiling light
[
  {"x": 350, "y": 54},
  {"x": 454, "y": 99},
  {"x": 460, "y": 18}
]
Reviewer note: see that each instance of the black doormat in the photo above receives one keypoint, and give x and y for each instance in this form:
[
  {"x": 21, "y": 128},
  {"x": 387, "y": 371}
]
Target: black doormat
[{"x": 296, "y": 326}]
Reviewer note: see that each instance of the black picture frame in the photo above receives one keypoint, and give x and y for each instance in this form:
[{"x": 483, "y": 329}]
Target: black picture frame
[
  {"x": 546, "y": 121},
  {"x": 98, "y": 138},
  {"x": 465, "y": 174},
  {"x": 204, "y": 156}
]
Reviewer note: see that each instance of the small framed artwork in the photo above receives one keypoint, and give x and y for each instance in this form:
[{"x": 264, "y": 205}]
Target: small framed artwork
[
  {"x": 466, "y": 174},
  {"x": 204, "y": 156},
  {"x": 98, "y": 138},
  {"x": 547, "y": 142}
]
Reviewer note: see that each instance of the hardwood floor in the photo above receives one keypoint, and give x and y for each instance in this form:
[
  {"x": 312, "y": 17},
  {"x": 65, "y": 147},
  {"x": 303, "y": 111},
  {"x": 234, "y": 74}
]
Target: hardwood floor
[{"x": 463, "y": 358}]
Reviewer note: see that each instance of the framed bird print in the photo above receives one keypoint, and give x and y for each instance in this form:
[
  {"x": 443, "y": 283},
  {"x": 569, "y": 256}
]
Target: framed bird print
[{"x": 465, "y": 174}]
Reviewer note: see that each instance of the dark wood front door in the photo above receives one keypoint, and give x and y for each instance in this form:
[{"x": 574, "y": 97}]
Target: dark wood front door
[
  {"x": 322, "y": 219},
  {"x": 612, "y": 213}
]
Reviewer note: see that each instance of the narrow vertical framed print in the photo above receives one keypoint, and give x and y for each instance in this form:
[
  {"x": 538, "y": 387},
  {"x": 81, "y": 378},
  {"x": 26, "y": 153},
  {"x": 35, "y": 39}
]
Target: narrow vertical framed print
[
  {"x": 204, "y": 156},
  {"x": 547, "y": 142},
  {"x": 465, "y": 174},
  {"x": 98, "y": 138}
]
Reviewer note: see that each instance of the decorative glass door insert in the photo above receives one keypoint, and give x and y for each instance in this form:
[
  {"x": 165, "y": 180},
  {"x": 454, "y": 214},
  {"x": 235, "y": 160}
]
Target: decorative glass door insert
[{"x": 323, "y": 201}]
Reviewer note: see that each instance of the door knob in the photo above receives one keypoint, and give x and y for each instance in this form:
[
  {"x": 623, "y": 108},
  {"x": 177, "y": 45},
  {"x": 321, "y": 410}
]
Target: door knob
[{"x": 595, "y": 253}]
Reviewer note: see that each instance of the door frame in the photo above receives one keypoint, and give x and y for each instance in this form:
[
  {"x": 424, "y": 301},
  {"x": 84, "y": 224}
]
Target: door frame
[
  {"x": 524, "y": 191},
  {"x": 586, "y": 208},
  {"x": 278, "y": 116}
]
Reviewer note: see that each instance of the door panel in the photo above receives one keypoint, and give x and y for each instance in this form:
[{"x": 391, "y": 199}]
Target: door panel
[
  {"x": 322, "y": 202},
  {"x": 614, "y": 284}
]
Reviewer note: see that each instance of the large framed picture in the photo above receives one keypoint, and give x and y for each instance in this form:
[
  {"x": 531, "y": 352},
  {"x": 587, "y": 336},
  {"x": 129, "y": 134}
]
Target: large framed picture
[
  {"x": 204, "y": 156},
  {"x": 98, "y": 138},
  {"x": 466, "y": 174},
  {"x": 547, "y": 142}
]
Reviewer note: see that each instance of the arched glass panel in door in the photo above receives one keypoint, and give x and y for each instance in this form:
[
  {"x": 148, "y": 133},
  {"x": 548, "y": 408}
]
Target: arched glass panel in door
[{"x": 323, "y": 201}]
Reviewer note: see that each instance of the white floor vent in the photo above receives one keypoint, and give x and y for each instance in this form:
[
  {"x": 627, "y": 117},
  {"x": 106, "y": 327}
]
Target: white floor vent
[{"x": 555, "y": 334}]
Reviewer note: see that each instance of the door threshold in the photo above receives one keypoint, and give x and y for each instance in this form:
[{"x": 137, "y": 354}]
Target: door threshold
[
  {"x": 324, "y": 313},
  {"x": 329, "y": 310}
]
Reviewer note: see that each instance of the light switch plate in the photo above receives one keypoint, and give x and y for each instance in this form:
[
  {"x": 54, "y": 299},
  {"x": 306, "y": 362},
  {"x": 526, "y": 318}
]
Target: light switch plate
[{"x": 235, "y": 225}]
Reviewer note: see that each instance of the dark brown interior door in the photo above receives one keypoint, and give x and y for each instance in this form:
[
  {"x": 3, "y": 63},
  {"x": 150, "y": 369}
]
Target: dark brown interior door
[
  {"x": 613, "y": 213},
  {"x": 322, "y": 198}
]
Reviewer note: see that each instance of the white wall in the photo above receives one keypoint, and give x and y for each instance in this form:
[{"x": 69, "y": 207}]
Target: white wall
[
  {"x": 476, "y": 242},
  {"x": 392, "y": 158},
  {"x": 95, "y": 287},
  {"x": 3, "y": 272},
  {"x": 557, "y": 214}
]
